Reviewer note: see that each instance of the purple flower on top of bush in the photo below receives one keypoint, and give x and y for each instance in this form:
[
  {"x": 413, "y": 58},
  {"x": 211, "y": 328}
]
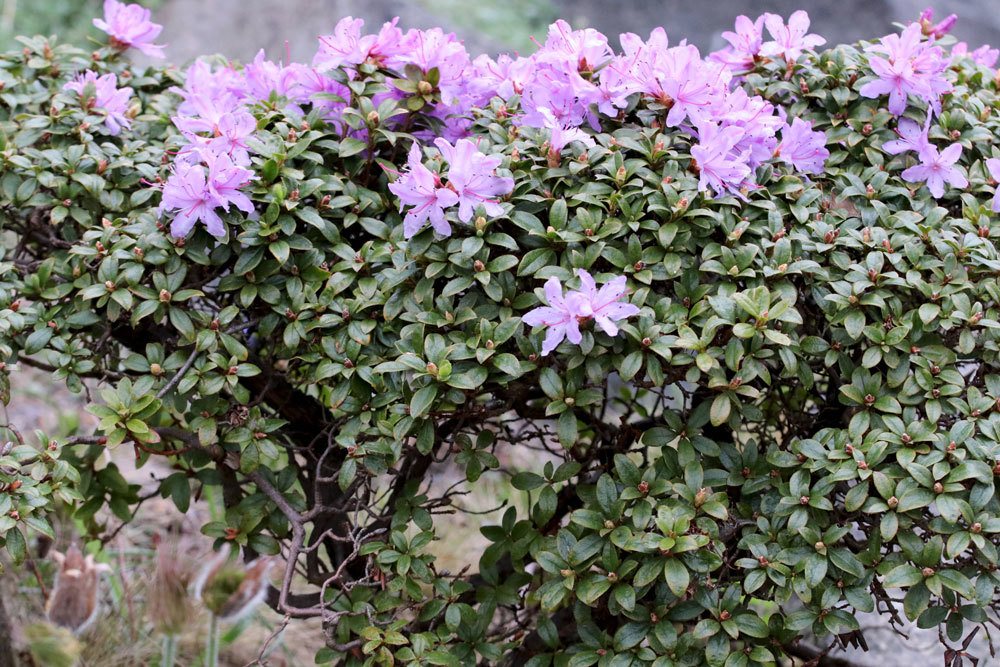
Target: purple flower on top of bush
[
  {"x": 745, "y": 43},
  {"x": 229, "y": 137},
  {"x": 564, "y": 314},
  {"x": 985, "y": 55},
  {"x": 938, "y": 30},
  {"x": 101, "y": 93},
  {"x": 937, "y": 168},
  {"x": 789, "y": 41},
  {"x": 347, "y": 47},
  {"x": 905, "y": 65},
  {"x": 130, "y": 26},
  {"x": 194, "y": 191},
  {"x": 803, "y": 148}
]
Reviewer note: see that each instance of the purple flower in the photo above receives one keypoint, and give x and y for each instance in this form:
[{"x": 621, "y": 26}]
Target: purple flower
[
  {"x": 755, "y": 117},
  {"x": 912, "y": 137},
  {"x": 909, "y": 67},
  {"x": 195, "y": 194},
  {"x": 472, "y": 176},
  {"x": 744, "y": 45},
  {"x": 720, "y": 167},
  {"x": 434, "y": 48},
  {"x": 347, "y": 47},
  {"x": 584, "y": 50},
  {"x": 564, "y": 314},
  {"x": 101, "y": 93},
  {"x": 927, "y": 26},
  {"x": 129, "y": 25},
  {"x": 993, "y": 165},
  {"x": 264, "y": 77},
  {"x": 789, "y": 40},
  {"x": 937, "y": 168},
  {"x": 985, "y": 55},
  {"x": 560, "y": 136},
  {"x": 802, "y": 148},
  {"x": 422, "y": 189},
  {"x": 228, "y": 135},
  {"x": 676, "y": 77},
  {"x": 604, "y": 304}
]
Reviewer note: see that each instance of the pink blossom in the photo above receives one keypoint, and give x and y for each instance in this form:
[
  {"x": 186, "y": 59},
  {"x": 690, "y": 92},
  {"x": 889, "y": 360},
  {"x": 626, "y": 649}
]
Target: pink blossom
[
  {"x": 912, "y": 137},
  {"x": 755, "y": 117},
  {"x": 564, "y": 314},
  {"x": 195, "y": 191},
  {"x": 720, "y": 167},
  {"x": 985, "y": 55},
  {"x": 435, "y": 49},
  {"x": 583, "y": 50},
  {"x": 909, "y": 67},
  {"x": 789, "y": 41},
  {"x": 472, "y": 176},
  {"x": 745, "y": 43},
  {"x": 347, "y": 47},
  {"x": 802, "y": 148},
  {"x": 101, "y": 93},
  {"x": 993, "y": 165},
  {"x": 604, "y": 304},
  {"x": 422, "y": 189},
  {"x": 936, "y": 169},
  {"x": 230, "y": 135},
  {"x": 676, "y": 77},
  {"x": 560, "y": 136},
  {"x": 939, "y": 30},
  {"x": 264, "y": 77},
  {"x": 130, "y": 25}
]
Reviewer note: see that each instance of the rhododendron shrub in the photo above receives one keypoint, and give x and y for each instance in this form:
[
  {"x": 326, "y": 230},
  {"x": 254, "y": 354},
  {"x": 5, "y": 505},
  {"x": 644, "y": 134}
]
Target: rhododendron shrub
[{"x": 723, "y": 328}]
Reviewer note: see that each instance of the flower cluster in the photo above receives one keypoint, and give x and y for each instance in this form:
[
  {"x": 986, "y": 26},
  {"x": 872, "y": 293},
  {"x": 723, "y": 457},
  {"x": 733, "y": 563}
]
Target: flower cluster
[
  {"x": 102, "y": 94},
  {"x": 566, "y": 312},
  {"x": 906, "y": 65},
  {"x": 130, "y": 26},
  {"x": 196, "y": 189},
  {"x": 471, "y": 183}
]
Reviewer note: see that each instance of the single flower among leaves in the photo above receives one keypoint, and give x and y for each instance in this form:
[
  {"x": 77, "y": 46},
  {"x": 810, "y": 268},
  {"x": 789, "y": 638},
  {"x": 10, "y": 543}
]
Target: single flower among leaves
[
  {"x": 130, "y": 26},
  {"x": 101, "y": 93},
  {"x": 564, "y": 314}
]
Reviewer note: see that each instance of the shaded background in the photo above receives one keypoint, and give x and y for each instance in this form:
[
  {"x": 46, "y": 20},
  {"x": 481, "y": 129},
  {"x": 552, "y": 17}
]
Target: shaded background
[{"x": 238, "y": 28}]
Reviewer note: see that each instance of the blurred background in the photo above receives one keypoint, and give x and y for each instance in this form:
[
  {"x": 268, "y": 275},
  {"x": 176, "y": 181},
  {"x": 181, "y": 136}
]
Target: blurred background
[{"x": 238, "y": 28}]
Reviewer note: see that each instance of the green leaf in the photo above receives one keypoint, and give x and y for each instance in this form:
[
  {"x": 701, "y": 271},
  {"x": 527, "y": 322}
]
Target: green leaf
[
  {"x": 422, "y": 400},
  {"x": 676, "y": 575}
]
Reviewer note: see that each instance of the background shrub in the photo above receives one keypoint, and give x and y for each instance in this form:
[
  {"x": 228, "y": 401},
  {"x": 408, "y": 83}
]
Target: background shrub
[{"x": 799, "y": 422}]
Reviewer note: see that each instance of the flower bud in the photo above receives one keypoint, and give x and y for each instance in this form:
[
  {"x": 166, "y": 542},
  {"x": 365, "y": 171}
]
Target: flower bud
[
  {"x": 165, "y": 296},
  {"x": 425, "y": 88}
]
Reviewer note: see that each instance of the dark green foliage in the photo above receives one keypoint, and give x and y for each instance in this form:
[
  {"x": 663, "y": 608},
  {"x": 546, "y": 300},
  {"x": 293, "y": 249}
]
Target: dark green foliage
[{"x": 802, "y": 423}]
